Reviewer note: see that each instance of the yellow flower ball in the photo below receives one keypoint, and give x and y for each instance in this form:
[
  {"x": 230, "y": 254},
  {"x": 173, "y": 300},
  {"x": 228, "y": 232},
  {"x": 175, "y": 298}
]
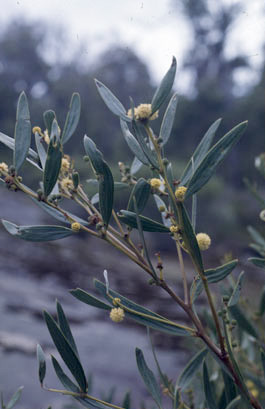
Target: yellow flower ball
[
  {"x": 204, "y": 241},
  {"x": 156, "y": 183},
  {"x": 76, "y": 226},
  {"x": 143, "y": 112},
  {"x": 180, "y": 193},
  {"x": 174, "y": 229},
  {"x": 117, "y": 314},
  {"x": 36, "y": 129}
]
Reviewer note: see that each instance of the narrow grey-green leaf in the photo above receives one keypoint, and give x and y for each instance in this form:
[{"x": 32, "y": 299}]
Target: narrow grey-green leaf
[
  {"x": 213, "y": 158},
  {"x": 256, "y": 236},
  {"x": 188, "y": 235},
  {"x": 94, "y": 154},
  {"x": 111, "y": 101},
  {"x": 208, "y": 390},
  {"x": 148, "y": 319},
  {"x": 106, "y": 193},
  {"x": 141, "y": 138},
  {"x": 42, "y": 363},
  {"x": 200, "y": 152},
  {"x": 243, "y": 322},
  {"x": 237, "y": 290},
  {"x": 65, "y": 328},
  {"x": 136, "y": 165},
  {"x": 165, "y": 87},
  {"x": 259, "y": 262},
  {"x": 141, "y": 192},
  {"x": 214, "y": 275},
  {"x": 22, "y": 132},
  {"x": 48, "y": 118},
  {"x": 53, "y": 161},
  {"x": 32, "y": 156},
  {"x": 66, "y": 351},
  {"x": 59, "y": 215},
  {"x": 133, "y": 143},
  {"x": 14, "y": 398},
  {"x": 229, "y": 387},
  {"x": 148, "y": 377},
  {"x": 37, "y": 233},
  {"x": 190, "y": 370},
  {"x": 168, "y": 119},
  {"x": 126, "y": 403},
  {"x": 64, "y": 379},
  {"x": 161, "y": 204},
  {"x": 40, "y": 149},
  {"x": 235, "y": 403},
  {"x": 177, "y": 399},
  {"x": 141, "y": 234},
  {"x": 86, "y": 298},
  {"x": 72, "y": 118},
  {"x": 93, "y": 183},
  {"x": 129, "y": 218}
]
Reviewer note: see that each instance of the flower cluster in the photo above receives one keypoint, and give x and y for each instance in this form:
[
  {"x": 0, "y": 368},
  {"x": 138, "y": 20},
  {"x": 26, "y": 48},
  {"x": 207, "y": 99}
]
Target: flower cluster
[
  {"x": 180, "y": 193},
  {"x": 204, "y": 241},
  {"x": 117, "y": 314},
  {"x": 143, "y": 112}
]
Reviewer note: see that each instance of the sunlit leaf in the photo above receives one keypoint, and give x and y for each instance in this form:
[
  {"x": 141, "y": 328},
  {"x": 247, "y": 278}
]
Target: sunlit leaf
[
  {"x": 148, "y": 377},
  {"x": 22, "y": 132},
  {"x": 72, "y": 118},
  {"x": 111, "y": 101},
  {"x": 165, "y": 87},
  {"x": 37, "y": 233}
]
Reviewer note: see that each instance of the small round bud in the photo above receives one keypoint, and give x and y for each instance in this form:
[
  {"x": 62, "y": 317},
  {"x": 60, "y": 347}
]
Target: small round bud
[
  {"x": 99, "y": 226},
  {"x": 204, "y": 241},
  {"x": 165, "y": 161},
  {"x": 36, "y": 129},
  {"x": 160, "y": 140},
  {"x": 75, "y": 226},
  {"x": 225, "y": 298},
  {"x": 155, "y": 183},
  {"x": 117, "y": 314},
  {"x": 162, "y": 209},
  {"x": 180, "y": 193},
  {"x": 86, "y": 158},
  {"x": 116, "y": 301},
  {"x": 234, "y": 322}
]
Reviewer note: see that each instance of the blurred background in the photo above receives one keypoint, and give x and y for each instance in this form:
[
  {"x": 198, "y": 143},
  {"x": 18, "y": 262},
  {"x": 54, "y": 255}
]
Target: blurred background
[{"x": 50, "y": 50}]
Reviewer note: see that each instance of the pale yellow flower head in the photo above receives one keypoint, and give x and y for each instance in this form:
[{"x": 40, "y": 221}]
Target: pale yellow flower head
[
  {"x": 65, "y": 166},
  {"x": 174, "y": 229},
  {"x": 36, "y": 129},
  {"x": 3, "y": 167},
  {"x": 156, "y": 183},
  {"x": 180, "y": 193},
  {"x": 66, "y": 184},
  {"x": 204, "y": 241},
  {"x": 142, "y": 112},
  {"x": 117, "y": 314},
  {"x": 76, "y": 226}
]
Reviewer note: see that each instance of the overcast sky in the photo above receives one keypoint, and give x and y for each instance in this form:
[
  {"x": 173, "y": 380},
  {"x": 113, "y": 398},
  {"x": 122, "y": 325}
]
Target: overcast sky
[{"x": 151, "y": 27}]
